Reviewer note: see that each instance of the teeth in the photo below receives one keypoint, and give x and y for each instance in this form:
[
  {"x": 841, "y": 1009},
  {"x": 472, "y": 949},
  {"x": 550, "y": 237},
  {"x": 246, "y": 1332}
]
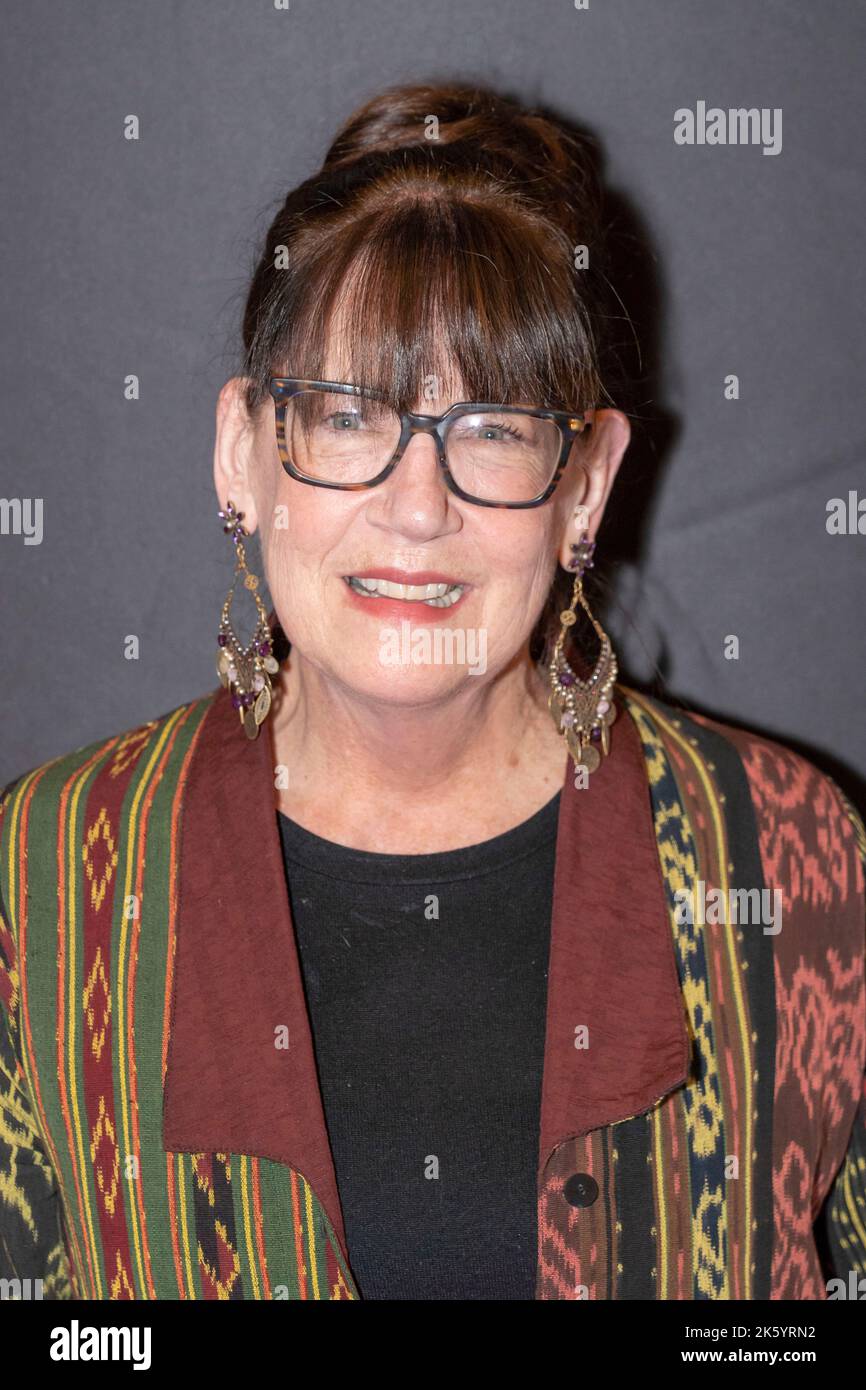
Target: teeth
[{"x": 434, "y": 595}]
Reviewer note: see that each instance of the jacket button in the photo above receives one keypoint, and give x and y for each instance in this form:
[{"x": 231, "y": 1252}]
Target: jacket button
[{"x": 580, "y": 1190}]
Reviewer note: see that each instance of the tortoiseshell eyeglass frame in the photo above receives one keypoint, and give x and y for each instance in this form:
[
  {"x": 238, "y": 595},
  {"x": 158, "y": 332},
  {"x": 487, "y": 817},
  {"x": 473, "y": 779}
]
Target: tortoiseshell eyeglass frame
[{"x": 570, "y": 424}]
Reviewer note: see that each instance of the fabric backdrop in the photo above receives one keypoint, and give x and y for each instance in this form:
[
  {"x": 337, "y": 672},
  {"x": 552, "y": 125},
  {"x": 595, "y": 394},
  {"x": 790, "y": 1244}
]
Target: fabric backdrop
[{"x": 132, "y": 257}]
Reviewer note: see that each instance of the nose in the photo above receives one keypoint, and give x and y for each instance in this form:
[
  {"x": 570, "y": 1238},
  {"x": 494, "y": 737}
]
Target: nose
[{"x": 414, "y": 499}]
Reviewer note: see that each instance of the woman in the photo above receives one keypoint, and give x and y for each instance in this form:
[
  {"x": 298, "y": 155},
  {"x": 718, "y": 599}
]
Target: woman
[{"x": 421, "y": 958}]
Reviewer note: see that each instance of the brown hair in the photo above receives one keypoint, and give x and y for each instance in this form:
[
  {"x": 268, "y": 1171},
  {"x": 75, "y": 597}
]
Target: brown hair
[{"x": 446, "y": 219}]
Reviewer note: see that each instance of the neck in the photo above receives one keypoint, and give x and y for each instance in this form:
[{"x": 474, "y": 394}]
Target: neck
[{"x": 385, "y": 777}]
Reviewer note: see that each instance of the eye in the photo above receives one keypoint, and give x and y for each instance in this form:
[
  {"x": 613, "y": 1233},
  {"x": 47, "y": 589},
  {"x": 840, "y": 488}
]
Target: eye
[
  {"x": 343, "y": 421},
  {"x": 490, "y": 429},
  {"x": 499, "y": 431}
]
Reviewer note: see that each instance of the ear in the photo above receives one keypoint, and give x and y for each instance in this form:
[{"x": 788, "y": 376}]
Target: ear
[
  {"x": 233, "y": 452},
  {"x": 599, "y": 462}
]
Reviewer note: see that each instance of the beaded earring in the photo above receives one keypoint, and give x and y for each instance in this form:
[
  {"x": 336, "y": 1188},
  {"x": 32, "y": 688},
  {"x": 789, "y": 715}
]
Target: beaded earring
[
  {"x": 583, "y": 710},
  {"x": 246, "y": 670}
]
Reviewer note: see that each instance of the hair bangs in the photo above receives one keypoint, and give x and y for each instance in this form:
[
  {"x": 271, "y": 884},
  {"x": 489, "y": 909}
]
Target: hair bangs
[{"x": 429, "y": 301}]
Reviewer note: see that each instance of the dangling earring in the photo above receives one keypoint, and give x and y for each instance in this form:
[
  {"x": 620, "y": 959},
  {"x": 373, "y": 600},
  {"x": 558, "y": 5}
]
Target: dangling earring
[
  {"x": 248, "y": 669},
  {"x": 583, "y": 711}
]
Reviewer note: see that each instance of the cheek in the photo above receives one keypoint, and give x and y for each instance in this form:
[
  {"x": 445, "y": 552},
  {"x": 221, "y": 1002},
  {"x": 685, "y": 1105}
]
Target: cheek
[
  {"x": 302, "y": 533},
  {"x": 521, "y": 562},
  {"x": 521, "y": 552}
]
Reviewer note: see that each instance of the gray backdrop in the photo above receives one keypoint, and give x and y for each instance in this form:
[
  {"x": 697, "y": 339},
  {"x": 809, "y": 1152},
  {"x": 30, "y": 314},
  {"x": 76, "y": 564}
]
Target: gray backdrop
[{"x": 132, "y": 257}]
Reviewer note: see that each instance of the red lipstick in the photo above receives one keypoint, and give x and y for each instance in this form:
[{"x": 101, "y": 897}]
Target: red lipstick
[{"x": 381, "y": 606}]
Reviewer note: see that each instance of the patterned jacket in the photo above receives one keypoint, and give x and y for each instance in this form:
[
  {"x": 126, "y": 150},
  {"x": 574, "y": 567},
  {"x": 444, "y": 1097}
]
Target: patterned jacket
[{"x": 703, "y": 1121}]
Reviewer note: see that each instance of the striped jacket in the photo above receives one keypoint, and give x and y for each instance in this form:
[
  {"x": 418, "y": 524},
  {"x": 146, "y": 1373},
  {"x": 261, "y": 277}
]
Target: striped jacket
[{"x": 703, "y": 1121}]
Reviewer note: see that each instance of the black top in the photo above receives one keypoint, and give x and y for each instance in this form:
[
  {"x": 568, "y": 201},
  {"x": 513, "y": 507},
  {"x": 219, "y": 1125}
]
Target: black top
[{"x": 426, "y": 983}]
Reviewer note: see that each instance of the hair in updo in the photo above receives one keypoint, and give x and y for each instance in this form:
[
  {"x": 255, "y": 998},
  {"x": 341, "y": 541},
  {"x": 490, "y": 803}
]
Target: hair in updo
[{"x": 445, "y": 224}]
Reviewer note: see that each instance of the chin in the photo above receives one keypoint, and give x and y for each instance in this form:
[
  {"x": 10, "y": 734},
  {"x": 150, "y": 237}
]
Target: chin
[{"x": 413, "y": 683}]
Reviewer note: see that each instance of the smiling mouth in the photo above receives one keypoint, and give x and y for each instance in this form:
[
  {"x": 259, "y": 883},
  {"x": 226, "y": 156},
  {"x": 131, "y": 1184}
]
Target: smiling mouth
[{"x": 440, "y": 595}]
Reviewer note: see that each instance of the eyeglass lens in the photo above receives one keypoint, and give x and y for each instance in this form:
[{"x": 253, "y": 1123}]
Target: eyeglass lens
[{"x": 495, "y": 455}]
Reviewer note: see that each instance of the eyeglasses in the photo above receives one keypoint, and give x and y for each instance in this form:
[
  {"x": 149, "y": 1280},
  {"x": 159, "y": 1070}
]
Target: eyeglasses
[{"x": 331, "y": 434}]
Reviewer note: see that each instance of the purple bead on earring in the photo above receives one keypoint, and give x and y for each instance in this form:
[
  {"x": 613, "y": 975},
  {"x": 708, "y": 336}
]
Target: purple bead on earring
[
  {"x": 582, "y": 553},
  {"x": 233, "y": 521}
]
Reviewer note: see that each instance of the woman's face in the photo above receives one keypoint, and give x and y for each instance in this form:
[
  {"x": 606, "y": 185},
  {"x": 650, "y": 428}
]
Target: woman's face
[{"x": 400, "y": 648}]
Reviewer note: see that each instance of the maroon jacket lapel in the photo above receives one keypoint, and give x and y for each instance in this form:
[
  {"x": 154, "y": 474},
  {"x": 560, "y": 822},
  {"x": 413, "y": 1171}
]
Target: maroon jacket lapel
[
  {"x": 228, "y": 1087},
  {"x": 612, "y": 964},
  {"x": 238, "y": 982}
]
